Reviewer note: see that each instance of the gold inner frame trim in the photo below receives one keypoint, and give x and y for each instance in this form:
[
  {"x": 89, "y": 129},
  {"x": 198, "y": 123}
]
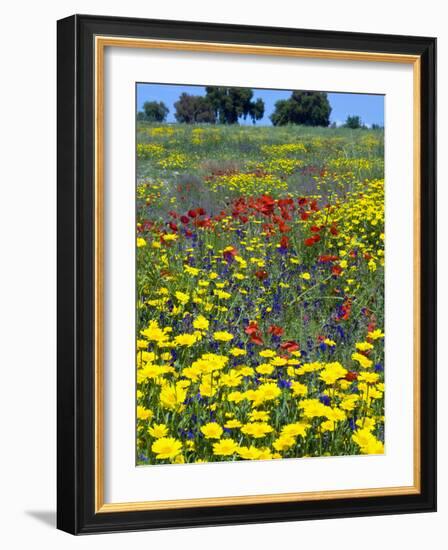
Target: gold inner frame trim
[{"x": 101, "y": 42}]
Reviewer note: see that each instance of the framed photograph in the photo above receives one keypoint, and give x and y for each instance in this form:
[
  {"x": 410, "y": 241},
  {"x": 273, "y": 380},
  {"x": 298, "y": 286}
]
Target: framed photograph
[{"x": 246, "y": 274}]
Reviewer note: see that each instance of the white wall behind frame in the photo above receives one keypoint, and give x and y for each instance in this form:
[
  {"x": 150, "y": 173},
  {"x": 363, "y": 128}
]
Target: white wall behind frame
[{"x": 27, "y": 290}]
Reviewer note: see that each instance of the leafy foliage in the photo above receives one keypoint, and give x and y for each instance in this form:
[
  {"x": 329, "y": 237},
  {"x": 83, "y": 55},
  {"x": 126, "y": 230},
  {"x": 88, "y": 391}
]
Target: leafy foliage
[
  {"x": 194, "y": 109},
  {"x": 353, "y": 122},
  {"x": 306, "y": 108},
  {"x": 230, "y": 104},
  {"x": 153, "y": 111}
]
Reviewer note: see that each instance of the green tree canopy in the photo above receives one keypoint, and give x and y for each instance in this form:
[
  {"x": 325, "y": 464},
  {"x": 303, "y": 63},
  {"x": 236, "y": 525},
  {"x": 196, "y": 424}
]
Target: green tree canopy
[
  {"x": 306, "y": 108},
  {"x": 353, "y": 122},
  {"x": 230, "y": 104},
  {"x": 193, "y": 109},
  {"x": 153, "y": 111}
]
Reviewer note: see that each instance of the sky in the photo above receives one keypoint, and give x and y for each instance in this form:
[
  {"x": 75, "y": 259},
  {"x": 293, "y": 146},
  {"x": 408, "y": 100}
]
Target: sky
[{"x": 369, "y": 107}]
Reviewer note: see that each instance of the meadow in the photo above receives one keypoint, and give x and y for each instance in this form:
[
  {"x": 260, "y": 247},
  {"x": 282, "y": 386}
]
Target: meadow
[{"x": 260, "y": 292}]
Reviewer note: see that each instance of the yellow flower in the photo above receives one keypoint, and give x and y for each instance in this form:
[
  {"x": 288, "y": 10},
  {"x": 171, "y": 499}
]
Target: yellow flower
[
  {"x": 267, "y": 353},
  {"x": 222, "y": 294},
  {"x": 140, "y": 242},
  {"x": 172, "y": 395},
  {"x": 349, "y": 402},
  {"x": 223, "y": 336},
  {"x": 154, "y": 333},
  {"x": 233, "y": 424},
  {"x": 295, "y": 429},
  {"x": 364, "y": 346},
  {"x": 369, "y": 377},
  {"x": 185, "y": 339},
  {"x": 235, "y": 397},
  {"x": 362, "y": 360},
  {"x": 278, "y": 361},
  {"x": 305, "y": 276},
  {"x": 257, "y": 429},
  {"x": 259, "y": 415},
  {"x": 191, "y": 270},
  {"x": 144, "y": 414},
  {"x": 237, "y": 351},
  {"x": 265, "y": 368},
  {"x": 201, "y": 323},
  {"x": 249, "y": 453},
  {"x": 244, "y": 370},
  {"x": 182, "y": 297},
  {"x": 166, "y": 447},
  {"x": 170, "y": 237},
  {"x": 328, "y": 426},
  {"x": 283, "y": 443},
  {"x": 330, "y": 343},
  {"x": 367, "y": 442},
  {"x": 313, "y": 408},
  {"x": 212, "y": 430},
  {"x": 142, "y": 344},
  {"x": 225, "y": 447},
  {"x": 366, "y": 423},
  {"x": 158, "y": 430},
  {"x": 298, "y": 388},
  {"x": 266, "y": 392},
  {"x": 335, "y": 414},
  {"x": 375, "y": 334},
  {"x": 332, "y": 372}
]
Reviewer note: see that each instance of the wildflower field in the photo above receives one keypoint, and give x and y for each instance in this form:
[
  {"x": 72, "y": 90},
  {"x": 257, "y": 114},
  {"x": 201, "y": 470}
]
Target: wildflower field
[{"x": 260, "y": 292}]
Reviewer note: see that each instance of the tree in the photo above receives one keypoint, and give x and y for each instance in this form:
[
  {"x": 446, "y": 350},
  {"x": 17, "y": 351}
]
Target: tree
[
  {"x": 153, "y": 111},
  {"x": 230, "y": 104},
  {"x": 306, "y": 108},
  {"x": 353, "y": 122},
  {"x": 193, "y": 109}
]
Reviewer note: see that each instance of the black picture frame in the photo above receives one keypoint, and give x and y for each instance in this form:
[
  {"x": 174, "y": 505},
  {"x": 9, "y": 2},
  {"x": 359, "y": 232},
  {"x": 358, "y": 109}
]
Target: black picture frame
[{"x": 76, "y": 271}]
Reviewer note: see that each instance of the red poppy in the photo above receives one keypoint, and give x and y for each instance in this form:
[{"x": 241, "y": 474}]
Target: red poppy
[
  {"x": 275, "y": 330},
  {"x": 290, "y": 346},
  {"x": 312, "y": 240},
  {"x": 192, "y": 213},
  {"x": 284, "y": 242},
  {"x": 345, "y": 310},
  {"x": 173, "y": 226},
  {"x": 305, "y": 215},
  {"x": 283, "y": 228},
  {"x": 327, "y": 258},
  {"x": 314, "y": 206},
  {"x": 336, "y": 270},
  {"x": 315, "y": 228},
  {"x": 201, "y": 212},
  {"x": 265, "y": 204},
  {"x": 302, "y": 201},
  {"x": 254, "y": 332},
  {"x": 252, "y": 328},
  {"x": 261, "y": 274},
  {"x": 184, "y": 219},
  {"x": 256, "y": 339},
  {"x": 351, "y": 376},
  {"x": 204, "y": 223},
  {"x": 333, "y": 230},
  {"x": 229, "y": 254}
]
